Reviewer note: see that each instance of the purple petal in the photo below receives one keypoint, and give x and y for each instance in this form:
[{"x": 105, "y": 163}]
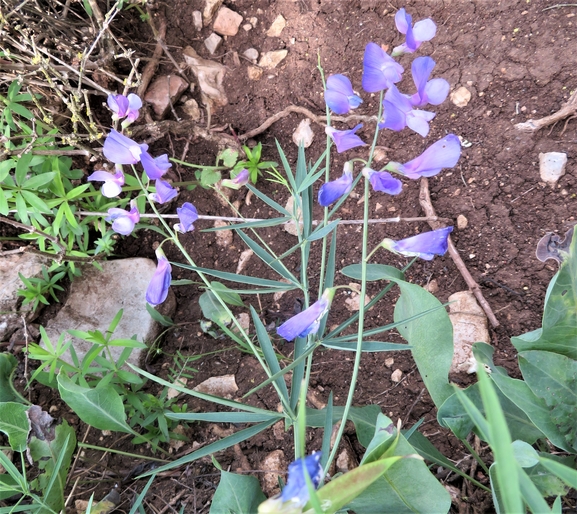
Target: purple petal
[
  {"x": 418, "y": 121},
  {"x": 384, "y": 182},
  {"x": 110, "y": 189},
  {"x": 157, "y": 290},
  {"x": 424, "y": 30},
  {"x": 305, "y": 322},
  {"x": 421, "y": 70},
  {"x": 443, "y": 154},
  {"x": 332, "y": 191},
  {"x": 436, "y": 91},
  {"x": 134, "y": 102},
  {"x": 187, "y": 214},
  {"x": 401, "y": 20},
  {"x": 425, "y": 245},
  {"x": 123, "y": 225},
  {"x": 155, "y": 168},
  {"x": 345, "y": 139},
  {"x": 394, "y": 118},
  {"x": 380, "y": 70},
  {"x": 164, "y": 192},
  {"x": 118, "y": 105},
  {"x": 337, "y": 102},
  {"x": 100, "y": 176},
  {"x": 242, "y": 177},
  {"x": 296, "y": 491},
  {"x": 122, "y": 150},
  {"x": 340, "y": 84},
  {"x": 339, "y": 95}
]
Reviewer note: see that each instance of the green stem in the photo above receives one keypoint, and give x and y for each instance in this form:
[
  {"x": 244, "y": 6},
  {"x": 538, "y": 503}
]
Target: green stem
[
  {"x": 475, "y": 455},
  {"x": 109, "y": 450}
]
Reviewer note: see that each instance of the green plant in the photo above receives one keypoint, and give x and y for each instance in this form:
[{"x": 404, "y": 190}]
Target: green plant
[
  {"x": 253, "y": 163},
  {"x": 37, "y": 288}
]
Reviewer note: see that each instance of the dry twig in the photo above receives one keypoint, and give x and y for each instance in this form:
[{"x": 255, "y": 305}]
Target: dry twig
[
  {"x": 425, "y": 201},
  {"x": 569, "y": 109}
]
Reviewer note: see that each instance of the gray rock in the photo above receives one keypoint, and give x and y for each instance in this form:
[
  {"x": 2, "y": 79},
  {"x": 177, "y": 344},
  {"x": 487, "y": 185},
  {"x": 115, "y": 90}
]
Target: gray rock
[
  {"x": 197, "y": 20},
  {"x": 251, "y": 54},
  {"x": 97, "y": 296},
  {"x": 158, "y": 91},
  {"x": 212, "y": 43},
  {"x": 11, "y": 310},
  {"x": 552, "y": 166}
]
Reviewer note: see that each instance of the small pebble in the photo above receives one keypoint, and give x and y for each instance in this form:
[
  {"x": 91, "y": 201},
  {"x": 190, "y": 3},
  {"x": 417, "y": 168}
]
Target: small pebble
[
  {"x": 396, "y": 376},
  {"x": 462, "y": 222}
]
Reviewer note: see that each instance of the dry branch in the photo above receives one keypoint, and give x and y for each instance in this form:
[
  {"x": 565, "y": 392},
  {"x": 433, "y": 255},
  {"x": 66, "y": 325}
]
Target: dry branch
[{"x": 568, "y": 109}]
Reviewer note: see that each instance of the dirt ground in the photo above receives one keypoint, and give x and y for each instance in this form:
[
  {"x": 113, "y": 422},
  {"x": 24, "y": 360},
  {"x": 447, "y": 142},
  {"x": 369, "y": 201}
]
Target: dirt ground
[{"x": 518, "y": 60}]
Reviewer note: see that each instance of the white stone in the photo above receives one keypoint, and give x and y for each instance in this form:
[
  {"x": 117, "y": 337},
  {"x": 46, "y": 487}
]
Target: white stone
[
  {"x": 223, "y": 237},
  {"x": 291, "y": 227},
  {"x": 96, "y": 297},
  {"x": 380, "y": 153},
  {"x": 303, "y": 134},
  {"x": 254, "y": 72},
  {"x": 190, "y": 107},
  {"x": 212, "y": 43},
  {"x": 346, "y": 460},
  {"x": 469, "y": 326},
  {"x": 223, "y": 386},
  {"x": 243, "y": 260},
  {"x": 244, "y": 321},
  {"x": 227, "y": 22},
  {"x": 432, "y": 286},
  {"x": 210, "y": 76},
  {"x": 389, "y": 362},
  {"x": 173, "y": 393},
  {"x": 30, "y": 265},
  {"x": 272, "y": 464},
  {"x": 270, "y": 60},
  {"x": 462, "y": 222},
  {"x": 247, "y": 27},
  {"x": 157, "y": 93},
  {"x": 396, "y": 376},
  {"x": 197, "y": 20},
  {"x": 461, "y": 96},
  {"x": 552, "y": 166},
  {"x": 353, "y": 302},
  {"x": 251, "y": 54},
  {"x": 277, "y": 26},
  {"x": 210, "y": 8}
]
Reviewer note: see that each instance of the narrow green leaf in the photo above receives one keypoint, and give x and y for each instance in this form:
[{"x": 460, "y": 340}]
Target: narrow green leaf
[
  {"x": 374, "y": 272},
  {"x": 368, "y": 346},
  {"x": 250, "y": 224},
  {"x": 271, "y": 203},
  {"x": 22, "y": 168},
  {"x": 223, "y": 417},
  {"x": 565, "y": 473},
  {"x": 21, "y": 208},
  {"x": 4, "y": 209},
  {"x": 212, "y": 309},
  {"x": 34, "y": 201},
  {"x": 227, "y": 295},
  {"x": 165, "y": 321},
  {"x": 321, "y": 232},
  {"x": 38, "y": 181}
]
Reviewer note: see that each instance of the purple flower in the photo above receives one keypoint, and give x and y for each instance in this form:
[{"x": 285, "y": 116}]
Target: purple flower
[
  {"x": 443, "y": 154},
  {"x": 122, "y": 150},
  {"x": 332, "y": 191},
  {"x": 339, "y": 95},
  {"x": 155, "y": 167},
  {"x": 187, "y": 214},
  {"x": 423, "y": 30},
  {"x": 308, "y": 321},
  {"x": 345, "y": 139},
  {"x": 123, "y": 106},
  {"x": 296, "y": 491},
  {"x": 383, "y": 181},
  {"x": 112, "y": 183},
  {"x": 123, "y": 221},
  {"x": 237, "y": 182},
  {"x": 399, "y": 113},
  {"x": 164, "y": 192},
  {"x": 433, "y": 91},
  {"x": 157, "y": 290},
  {"x": 380, "y": 70},
  {"x": 425, "y": 245}
]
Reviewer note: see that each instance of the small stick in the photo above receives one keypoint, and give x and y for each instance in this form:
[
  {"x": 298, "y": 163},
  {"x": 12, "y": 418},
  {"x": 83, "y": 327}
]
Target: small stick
[
  {"x": 425, "y": 201},
  {"x": 151, "y": 66},
  {"x": 569, "y": 108}
]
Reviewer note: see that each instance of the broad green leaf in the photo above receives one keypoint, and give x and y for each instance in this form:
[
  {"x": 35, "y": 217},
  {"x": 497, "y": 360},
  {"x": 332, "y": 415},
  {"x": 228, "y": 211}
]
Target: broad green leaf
[
  {"x": 559, "y": 331},
  {"x": 100, "y": 407},
  {"x": 4, "y": 209},
  {"x": 228, "y": 157},
  {"x": 226, "y": 294},
  {"x": 553, "y": 378},
  {"x": 374, "y": 272},
  {"x": 22, "y": 167},
  {"x": 165, "y": 321},
  {"x": 382, "y": 440},
  {"x": 14, "y": 423},
  {"x": 565, "y": 473},
  {"x": 212, "y": 309},
  {"x": 5, "y": 167},
  {"x": 548, "y": 483},
  {"x": 525, "y": 454},
  {"x": 8, "y": 364},
  {"x": 21, "y": 208},
  {"x": 236, "y": 494}
]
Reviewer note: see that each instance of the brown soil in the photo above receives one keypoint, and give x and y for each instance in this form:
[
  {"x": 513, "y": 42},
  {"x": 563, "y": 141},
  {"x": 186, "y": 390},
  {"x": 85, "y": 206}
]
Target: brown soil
[{"x": 518, "y": 60}]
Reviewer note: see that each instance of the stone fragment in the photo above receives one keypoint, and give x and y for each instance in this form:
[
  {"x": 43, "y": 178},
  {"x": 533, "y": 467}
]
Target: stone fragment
[
  {"x": 212, "y": 43},
  {"x": 253, "y": 21},
  {"x": 243, "y": 260},
  {"x": 96, "y": 297},
  {"x": 197, "y": 20},
  {"x": 190, "y": 107},
  {"x": 223, "y": 237},
  {"x": 271, "y": 60},
  {"x": 461, "y": 96},
  {"x": 11, "y": 310},
  {"x": 462, "y": 222},
  {"x": 432, "y": 286},
  {"x": 173, "y": 393},
  {"x": 247, "y": 27},
  {"x": 469, "y": 326},
  {"x": 389, "y": 362},
  {"x": 380, "y": 154},
  {"x": 158, "y": 93},
  {"x": 346, "y": 460},
  {"x": 223, "y": 386},
  {"x": 353, "y": 302},
  {"x": 396, "y": 376},
  {"x": 210, "y": 76},
  {"x": 303, "y": 134},
  {"x": 552, "y": 166},
  {"x": 210, "y": 8},
  {"x": 291, "y": 227},
  {"x": 176, "y": 444},
  {"x": 227, "y": 22},
  {"x": 277, "y": 26},
  {"x": 251, "y": 54},
  {"x": 244, "y": 321},
  {"x": 254, "y": 72},
  {"x": 274, "y": 462}
]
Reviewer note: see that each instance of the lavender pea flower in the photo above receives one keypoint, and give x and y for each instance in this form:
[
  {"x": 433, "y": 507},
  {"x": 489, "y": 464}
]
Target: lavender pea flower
[
  {"x": 443, "y": 154},
  {"x": 345, "y": 139},
  {"x": 122, "y": 150},
  {"x": 383, "y": 181},
  {"x": 125, "y": 106},
  {"x": 123, "y": 221},
  {"x": 112, "y": 183},
  {"x": 164, "y": 192},
  {"x": 380, "y": 70},
  {"x": 308, "y": 321},
  {"x": 332, "y": 191},
  {"x": 339, "y": 95},
  {"x": 157, "y": 289},
  {"x": 425, "y": 245},
  {"x": 399, "y": 113},
  {"x": 423, "y": 30},
  {"x": 433, "y": 91},
  {"x": 187, "y": 214},
  {"x": 237, "y": 182},
  {"x": 155, "y": 167}
]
